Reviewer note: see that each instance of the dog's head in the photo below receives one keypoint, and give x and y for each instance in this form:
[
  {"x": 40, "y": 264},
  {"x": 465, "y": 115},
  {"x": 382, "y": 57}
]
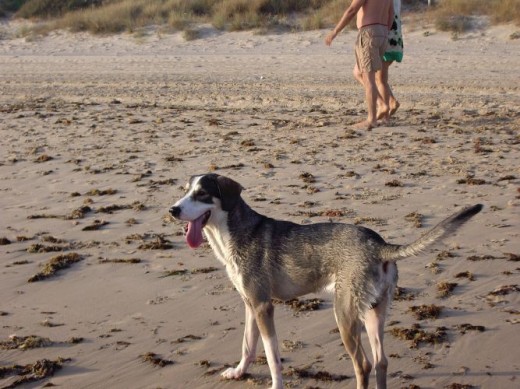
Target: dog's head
[{"x": 206, "y": 196}]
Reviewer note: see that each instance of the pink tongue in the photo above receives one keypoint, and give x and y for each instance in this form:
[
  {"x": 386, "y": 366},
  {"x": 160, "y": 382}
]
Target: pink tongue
[{"x": 194, "y": 234}]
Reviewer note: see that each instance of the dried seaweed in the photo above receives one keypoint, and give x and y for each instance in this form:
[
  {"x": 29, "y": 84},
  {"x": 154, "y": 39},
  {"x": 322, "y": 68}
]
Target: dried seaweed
[
  {"x": 301, "y": 305},
  {"x": 504, "y": 290},
  {"x": 4, "y": 241},
  {"x": 333, "y": 213},
  {"x": 176, "y": 272},
  {"x": 187, "y": 337},
  {"x": 475, "y": 258},
  {"x": 43, "y": 158},
  {"x": 465, "y": 274},
  {"x": 121, "y": 260},
  {"x": 112, "y": 208},
  {"x": 204, "y": 363},
  {"x": 444, "y": 289},
  {"x": 173, "y": 158},
  {"x": 55, "y": 264},
  {"x": 157, "y": 243},
  {"x": 25, "y": 342},
  {"x": 41, "y": 248},
  {"x": 98, "y": 192},
  {"x": 96, "y": 225},
  {"x": 79, "y": 213},
  {"x": 48, "y": 323},
  {"x": 22, "y": 262},
  {"x": 463, "y": 328},
  {"x": 307, "y": 178},
  {"x": 44, "y": 216},
  {"x": 417, "y": 335},
  {"x": 394, "y": 184},
  {"x": 459, "y": 386},
  {"x": 403, "y": 294},
  {"x": 136, "y": 206},
  {"x": 322, "y": 375},
  {"x": 51, "y": 239},
  {"x": 370, "y": 220},
  {"x": 470, "y": 180},
  {"x": 155, "y": 360},
  {"x": 415, "y": 218},
  {"x": 75, "y": 340},
  {"x": 130, "y": 222},
  {"x": 204, "y": 270},
  {"x": 424, "y": 311},
  {"x": 40, "y": 370},
  {"x": 167, "y": 181},
  {"x": 292, "y": 345}
]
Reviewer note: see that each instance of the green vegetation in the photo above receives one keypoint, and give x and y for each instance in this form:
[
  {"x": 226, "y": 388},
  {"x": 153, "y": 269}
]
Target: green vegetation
[
  {"x": 53, "y": 8},
  {"x": 459, "y": 15},
  {"x": 114, "y": 16},
  {"x": 10, "y": 6}
]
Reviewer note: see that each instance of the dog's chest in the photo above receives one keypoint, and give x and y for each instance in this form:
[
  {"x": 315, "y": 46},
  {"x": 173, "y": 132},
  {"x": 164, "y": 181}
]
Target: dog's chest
[
  {"x": 235, "y": 276},
  {"x": 220, "y": 242}
]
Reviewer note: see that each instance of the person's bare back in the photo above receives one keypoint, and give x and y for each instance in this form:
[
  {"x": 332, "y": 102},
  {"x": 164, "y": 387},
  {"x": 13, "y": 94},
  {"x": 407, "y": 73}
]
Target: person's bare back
[{"x": 374, "y": 12}]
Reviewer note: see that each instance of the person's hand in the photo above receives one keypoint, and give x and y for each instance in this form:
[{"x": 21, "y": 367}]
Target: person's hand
[{"x": 330, "y": 37}]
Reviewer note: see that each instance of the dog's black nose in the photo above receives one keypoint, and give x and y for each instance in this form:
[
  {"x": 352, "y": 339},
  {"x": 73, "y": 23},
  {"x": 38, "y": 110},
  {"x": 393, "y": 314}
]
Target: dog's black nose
[{"x": 175, "y": 211}]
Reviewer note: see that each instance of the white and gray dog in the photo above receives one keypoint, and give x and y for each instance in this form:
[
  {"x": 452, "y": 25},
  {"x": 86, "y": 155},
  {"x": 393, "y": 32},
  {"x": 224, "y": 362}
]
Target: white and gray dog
[{"x": 272, "y": 259}]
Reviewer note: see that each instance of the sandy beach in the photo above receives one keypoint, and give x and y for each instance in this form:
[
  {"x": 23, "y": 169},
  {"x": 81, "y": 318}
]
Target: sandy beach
[{"x": 100, "y": 134}]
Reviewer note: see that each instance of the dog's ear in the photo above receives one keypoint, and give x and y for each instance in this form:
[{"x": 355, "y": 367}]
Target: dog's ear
[{"x": 229, "y": 192}]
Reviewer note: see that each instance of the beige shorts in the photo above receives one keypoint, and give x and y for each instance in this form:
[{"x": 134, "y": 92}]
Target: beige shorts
[{"x": 371, "y": 44}]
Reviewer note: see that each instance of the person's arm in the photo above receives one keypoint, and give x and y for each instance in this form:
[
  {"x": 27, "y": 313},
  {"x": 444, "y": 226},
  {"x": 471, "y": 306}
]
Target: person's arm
[{"x": 349, "y": 14}]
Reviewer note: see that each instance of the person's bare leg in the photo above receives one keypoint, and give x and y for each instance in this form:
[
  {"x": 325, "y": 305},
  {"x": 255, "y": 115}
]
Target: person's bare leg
[
  {"x": 385, "y": 90},
  {"x": 371, "y": 95},
  {"x": 359, "y": 77},
  {"x": 394, "y": 105},
  {"x": 383, "y": 109},
  {"x": 357, "y": 74}
]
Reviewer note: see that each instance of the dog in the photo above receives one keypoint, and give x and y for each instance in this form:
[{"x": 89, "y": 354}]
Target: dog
[{"x": 272, "y": 259}]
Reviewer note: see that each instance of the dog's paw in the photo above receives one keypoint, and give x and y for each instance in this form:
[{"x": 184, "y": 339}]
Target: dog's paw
[{"x": 232, "y": 373}]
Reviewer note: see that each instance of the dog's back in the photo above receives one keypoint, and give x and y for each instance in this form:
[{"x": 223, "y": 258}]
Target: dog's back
[{"x": 291, "y": 260}]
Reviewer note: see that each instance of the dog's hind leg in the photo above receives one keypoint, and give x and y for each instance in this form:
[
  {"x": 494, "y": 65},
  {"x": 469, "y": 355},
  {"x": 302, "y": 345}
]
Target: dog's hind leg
[
  {"x": 264, "y": 313},
  {"x": 249, "y": 343},
  {"x": 374, "y": 324},
  {"x": 349, "y": 325}
]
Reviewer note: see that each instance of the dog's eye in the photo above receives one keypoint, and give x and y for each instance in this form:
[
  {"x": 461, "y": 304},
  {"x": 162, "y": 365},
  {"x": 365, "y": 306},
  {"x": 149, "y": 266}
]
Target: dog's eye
[{"x": 201, "y": 192}]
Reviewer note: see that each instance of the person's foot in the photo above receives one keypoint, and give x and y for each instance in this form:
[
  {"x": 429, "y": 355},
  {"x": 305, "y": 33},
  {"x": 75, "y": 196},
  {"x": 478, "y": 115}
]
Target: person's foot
[
  {"x": 383, "y": 115},
  {"x": 364, "y": 125},
  {"x": 394, "y": 106},
  {"x": 383, "y": 112}
]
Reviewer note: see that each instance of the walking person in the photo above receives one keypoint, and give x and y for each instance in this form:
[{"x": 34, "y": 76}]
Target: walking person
[{"x": 374, "y": 18}]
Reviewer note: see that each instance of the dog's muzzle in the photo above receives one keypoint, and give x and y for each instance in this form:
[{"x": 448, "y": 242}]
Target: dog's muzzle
[{"x": 175, "y": 212}]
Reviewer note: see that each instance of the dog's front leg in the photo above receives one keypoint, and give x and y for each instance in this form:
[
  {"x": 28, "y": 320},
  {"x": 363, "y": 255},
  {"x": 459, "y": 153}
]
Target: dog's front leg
[
  {"x": 264, "y": 313},
  {"x": 249, "y": 343}
]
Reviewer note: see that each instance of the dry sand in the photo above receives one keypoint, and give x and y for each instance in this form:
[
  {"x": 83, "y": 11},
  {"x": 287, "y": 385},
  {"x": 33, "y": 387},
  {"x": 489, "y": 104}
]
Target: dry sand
[{"x": 102, "y": 133}]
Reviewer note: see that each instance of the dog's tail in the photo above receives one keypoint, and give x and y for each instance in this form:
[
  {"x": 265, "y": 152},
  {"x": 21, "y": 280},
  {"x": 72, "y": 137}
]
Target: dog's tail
[{"x": 393, "y": 252}]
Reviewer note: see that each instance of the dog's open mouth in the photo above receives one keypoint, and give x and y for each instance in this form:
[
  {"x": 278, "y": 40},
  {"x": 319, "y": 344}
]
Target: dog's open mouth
[{"x": 194, "y": 233}]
